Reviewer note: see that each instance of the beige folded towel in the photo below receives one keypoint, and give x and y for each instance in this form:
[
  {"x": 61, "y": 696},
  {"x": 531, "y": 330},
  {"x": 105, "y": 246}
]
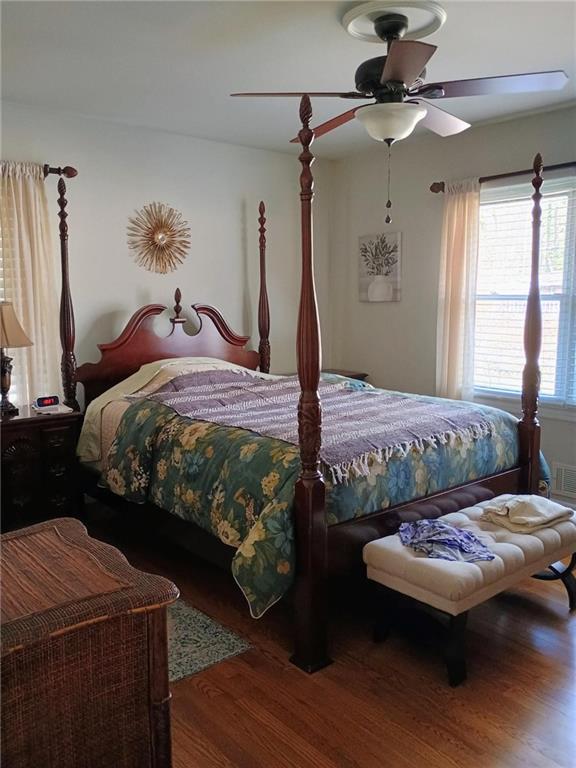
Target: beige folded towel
[{"x": 525, "y": 514}]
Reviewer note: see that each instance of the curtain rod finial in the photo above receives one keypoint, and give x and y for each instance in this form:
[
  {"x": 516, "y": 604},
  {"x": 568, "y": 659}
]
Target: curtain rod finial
[
  {"x": 437, "y": 186},
  {"x": 68, "y": 172}
]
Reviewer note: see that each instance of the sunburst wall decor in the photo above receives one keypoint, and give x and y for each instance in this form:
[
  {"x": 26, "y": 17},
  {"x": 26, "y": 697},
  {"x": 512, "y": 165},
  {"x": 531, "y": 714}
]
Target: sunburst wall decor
[{"x": 159, "y": 237}]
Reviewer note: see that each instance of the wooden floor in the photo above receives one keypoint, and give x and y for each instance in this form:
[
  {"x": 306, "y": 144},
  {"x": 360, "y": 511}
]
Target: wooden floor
[{"x": 377, "y": 705}]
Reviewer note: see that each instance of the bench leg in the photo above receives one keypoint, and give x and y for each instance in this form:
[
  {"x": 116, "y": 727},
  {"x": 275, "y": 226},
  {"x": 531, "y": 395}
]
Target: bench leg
[
  {"x": 455, "y": 649},
  {"x": 570, "y": 583},
  {"x": 564, "y": 573}
]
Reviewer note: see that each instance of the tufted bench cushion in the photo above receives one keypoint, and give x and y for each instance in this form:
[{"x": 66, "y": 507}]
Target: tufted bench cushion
[{"x": 455, "y": 587}]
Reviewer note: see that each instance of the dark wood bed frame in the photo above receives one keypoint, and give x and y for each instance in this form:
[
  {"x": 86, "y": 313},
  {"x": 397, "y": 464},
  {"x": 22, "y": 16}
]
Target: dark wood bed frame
[{"x": 322, "y": 552}]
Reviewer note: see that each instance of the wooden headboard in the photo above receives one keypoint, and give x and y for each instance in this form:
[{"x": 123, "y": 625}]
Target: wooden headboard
[{"x": 139, "y": 344}]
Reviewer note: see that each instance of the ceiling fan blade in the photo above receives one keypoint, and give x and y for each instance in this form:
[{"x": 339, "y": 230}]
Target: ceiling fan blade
[
  {"x": 333, "y": 94},
  {"x": 405, "y": 61},
  {"x": 439, "y": 121},
  {"x": 491, "y": 86},
  {"x": 330, "y": 125}
]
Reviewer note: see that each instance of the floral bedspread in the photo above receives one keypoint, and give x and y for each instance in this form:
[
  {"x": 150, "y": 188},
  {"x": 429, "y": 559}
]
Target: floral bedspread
[{"x": 240, "y": 486}]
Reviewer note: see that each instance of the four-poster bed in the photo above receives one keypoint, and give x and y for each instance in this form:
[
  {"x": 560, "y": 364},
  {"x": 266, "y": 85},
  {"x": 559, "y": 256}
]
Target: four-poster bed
[{"x": 323, "y": 551}]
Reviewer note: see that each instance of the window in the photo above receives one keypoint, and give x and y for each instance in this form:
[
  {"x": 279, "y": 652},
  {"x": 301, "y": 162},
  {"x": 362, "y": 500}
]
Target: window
[{"x": 502, "y": 284}]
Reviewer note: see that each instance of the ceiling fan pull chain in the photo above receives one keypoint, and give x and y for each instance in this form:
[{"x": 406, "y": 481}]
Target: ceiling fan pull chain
[{"x": 388, "y": 219}]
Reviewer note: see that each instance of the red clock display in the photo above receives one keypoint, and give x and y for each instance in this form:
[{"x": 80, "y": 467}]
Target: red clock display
[{"x": 43, "y": 402}]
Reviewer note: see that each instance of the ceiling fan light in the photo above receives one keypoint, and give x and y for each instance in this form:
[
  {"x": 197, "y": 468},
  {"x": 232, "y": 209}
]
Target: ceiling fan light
[{"x": 390, "y": 121}]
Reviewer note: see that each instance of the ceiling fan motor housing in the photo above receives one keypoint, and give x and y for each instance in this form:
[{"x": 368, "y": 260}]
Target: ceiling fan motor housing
[{"x": 367, "y": 79}]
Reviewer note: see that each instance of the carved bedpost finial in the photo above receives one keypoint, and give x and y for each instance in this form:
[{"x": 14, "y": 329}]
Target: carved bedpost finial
[
  {"x": 262, "y": 225},
  {"x": 263, "y": 307},
  {"x": 62, "y": 203},
  {"x": 305, "y": 110},
  {"x": 306, "y": 137},
  {"x": 177, "y": 308},
  {"x": 538, "y": 165}
]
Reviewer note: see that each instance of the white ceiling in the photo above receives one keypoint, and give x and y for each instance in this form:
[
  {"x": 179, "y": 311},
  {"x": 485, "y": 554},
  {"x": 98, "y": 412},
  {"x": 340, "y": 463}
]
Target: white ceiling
[{"x": 171, "y": 65}]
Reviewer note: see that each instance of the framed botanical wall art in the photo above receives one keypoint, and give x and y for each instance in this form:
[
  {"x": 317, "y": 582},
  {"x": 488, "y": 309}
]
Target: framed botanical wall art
[{"x": 379, "y": 267}]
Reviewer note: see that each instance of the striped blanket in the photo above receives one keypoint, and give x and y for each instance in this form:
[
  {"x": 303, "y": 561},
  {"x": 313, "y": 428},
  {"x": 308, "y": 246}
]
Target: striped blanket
[{"x": 358, "y": 426}]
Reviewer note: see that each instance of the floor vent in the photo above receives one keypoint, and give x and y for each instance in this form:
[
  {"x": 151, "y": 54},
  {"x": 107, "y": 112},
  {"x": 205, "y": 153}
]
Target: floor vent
[{"x": 564, "y": 480}]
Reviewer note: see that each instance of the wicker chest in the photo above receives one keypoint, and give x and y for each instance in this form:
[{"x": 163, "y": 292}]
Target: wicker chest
[{"x": 84, "y": 654}]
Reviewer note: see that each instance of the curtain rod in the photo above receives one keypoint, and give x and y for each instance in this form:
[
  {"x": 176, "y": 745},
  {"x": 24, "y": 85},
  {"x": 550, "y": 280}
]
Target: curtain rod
[
  {"x": 439, "y": 186},
  {"x": 66, "y": 171}
]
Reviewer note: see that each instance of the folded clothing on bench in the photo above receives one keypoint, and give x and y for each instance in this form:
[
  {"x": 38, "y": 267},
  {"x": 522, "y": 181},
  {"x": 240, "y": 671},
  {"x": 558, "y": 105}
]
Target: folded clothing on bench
[
  {"x": 525, "y": 514},
  {"x": 443, "y": 541}
]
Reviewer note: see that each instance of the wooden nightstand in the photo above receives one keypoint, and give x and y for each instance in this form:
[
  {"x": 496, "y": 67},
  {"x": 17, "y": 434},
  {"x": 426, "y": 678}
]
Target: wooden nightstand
[
  {"x": 39, "y": 467},
  {"x": 350, "y": 374}
]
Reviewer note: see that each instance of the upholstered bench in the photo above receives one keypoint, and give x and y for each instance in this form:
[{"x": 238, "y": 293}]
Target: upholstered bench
[{"x": 454, "y": 587}]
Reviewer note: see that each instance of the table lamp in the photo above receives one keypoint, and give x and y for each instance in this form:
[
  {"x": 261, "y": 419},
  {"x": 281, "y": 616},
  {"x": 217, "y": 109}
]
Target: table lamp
[{"x": 11, "y": 335}]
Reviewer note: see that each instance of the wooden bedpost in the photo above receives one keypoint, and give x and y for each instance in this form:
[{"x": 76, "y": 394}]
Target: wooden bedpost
[
  {"x": 311, "y": 636},
  {"x": 67, "y": 329},
  {"x": 263, "y": 308},
  {"x": 529, "y": 427}
]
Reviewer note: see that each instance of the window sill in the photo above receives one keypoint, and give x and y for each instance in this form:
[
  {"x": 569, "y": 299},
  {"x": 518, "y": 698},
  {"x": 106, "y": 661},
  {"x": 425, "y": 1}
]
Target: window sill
[{"x": 512, "y": 404}]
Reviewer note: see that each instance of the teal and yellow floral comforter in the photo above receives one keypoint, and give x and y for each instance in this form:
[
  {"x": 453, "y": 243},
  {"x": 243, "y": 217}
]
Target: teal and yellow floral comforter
[{"x": 239, "y": 485}]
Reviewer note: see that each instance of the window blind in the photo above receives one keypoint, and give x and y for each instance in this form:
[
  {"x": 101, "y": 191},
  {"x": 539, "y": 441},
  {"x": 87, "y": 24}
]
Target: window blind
[{"x": 503, "y": 279}]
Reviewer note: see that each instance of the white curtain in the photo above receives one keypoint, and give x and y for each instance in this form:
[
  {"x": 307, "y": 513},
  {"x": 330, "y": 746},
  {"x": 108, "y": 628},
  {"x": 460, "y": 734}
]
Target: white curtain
[
  {"x": 29, "y": 279},
  {"x": 456, "y": 296}
]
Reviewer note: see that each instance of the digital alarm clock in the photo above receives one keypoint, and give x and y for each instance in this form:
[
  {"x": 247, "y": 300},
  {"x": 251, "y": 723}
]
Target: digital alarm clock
[
  {"x": 49, "y": 404},
  {"x": 42, "y": 402}
]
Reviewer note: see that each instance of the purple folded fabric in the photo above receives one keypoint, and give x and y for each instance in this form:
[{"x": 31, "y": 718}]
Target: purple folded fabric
[{"x": 440, "y": 540}]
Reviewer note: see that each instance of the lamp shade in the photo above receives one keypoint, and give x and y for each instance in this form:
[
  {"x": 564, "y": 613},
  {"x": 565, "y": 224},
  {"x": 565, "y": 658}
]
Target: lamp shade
[
  {"x": 393, "y": 121},
  {"x": 11, "y": 333}
]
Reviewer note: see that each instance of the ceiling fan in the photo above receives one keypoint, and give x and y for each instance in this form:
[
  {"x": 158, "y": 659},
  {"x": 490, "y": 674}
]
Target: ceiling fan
[{"x": 401, "y": 97}]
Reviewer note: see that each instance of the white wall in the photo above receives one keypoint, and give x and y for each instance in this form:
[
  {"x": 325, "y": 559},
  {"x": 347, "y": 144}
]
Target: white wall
[
  {"x": 217, "y": 188},
  {"x": 396, "y": 342}
]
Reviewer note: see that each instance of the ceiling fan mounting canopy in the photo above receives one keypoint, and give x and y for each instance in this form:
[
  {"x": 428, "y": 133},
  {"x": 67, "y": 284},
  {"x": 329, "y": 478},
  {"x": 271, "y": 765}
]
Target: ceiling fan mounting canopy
[
  {"x": 391, "y": 26},
  {"x": 423, "y": 17}
]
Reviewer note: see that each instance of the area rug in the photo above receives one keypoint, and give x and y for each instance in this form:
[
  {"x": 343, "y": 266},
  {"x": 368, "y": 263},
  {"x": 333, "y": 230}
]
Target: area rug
[{"x": 196, "y": 642}]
